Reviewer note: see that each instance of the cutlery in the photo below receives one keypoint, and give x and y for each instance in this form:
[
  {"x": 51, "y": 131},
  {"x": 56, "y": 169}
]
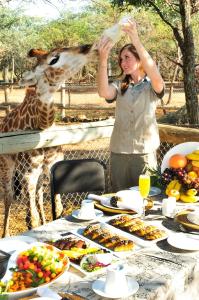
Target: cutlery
[{"x": 161, "y": 258}]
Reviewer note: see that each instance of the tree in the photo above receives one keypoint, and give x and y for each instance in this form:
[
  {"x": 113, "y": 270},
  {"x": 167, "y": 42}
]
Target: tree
[{"x": 177, "y": 15}]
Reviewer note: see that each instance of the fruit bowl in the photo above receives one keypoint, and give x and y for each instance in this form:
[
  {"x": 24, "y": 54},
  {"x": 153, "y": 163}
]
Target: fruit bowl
[
  {"x": 180, "y": 172},
  {"x": 39, "y": 264}
]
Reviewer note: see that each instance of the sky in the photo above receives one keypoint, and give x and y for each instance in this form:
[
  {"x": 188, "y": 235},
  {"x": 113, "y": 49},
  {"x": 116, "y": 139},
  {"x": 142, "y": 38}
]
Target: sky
[{"x": 49, "y": 11}]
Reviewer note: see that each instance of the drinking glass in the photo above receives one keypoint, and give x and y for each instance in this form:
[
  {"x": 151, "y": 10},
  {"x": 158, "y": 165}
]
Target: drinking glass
[{"x": 144, "y": 188}]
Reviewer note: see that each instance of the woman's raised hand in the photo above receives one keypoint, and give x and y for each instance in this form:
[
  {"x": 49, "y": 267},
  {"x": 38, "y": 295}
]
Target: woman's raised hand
[
  {"x": 104, "y": 47},
  {"x": 130, "y": 28}
]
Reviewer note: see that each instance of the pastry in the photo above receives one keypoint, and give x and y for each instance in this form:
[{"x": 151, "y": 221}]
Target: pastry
[
  {"x": 156, "y": 234},
  {"x": 137, "y": 226},
  {"x": 124, "y": 245},
  {"x": 111, "y": 242},
  {"x": 145, "y": 230},
  {"x": 119, "y": 220},
  {"x": 87, "y": 231}
]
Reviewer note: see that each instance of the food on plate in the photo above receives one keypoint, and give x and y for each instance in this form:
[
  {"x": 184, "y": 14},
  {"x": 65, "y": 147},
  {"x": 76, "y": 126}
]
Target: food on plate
[
  {"x": 75, "y": 248},
  {"x": 145, "y": 230},
  {"x": 119, "y": 220},
  {"x": 177, "y": 161},
  {"x": 139, "y": 228},
  {"x": 68, "y": 243},
  {"x": 95, "y": 262},
  {"x": 155, "y": 234},
  {"x": 136, "y": 226},
  {"x": 35, "y": 266},
  {"x": 124, "y": 245},
  {"x": 89, "y": 229},
  {"x": 108, "y": 239}
]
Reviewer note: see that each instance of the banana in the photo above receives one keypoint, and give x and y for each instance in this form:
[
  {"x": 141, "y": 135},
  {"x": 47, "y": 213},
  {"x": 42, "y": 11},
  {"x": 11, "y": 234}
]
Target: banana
[
  {"x": 173, "y": 185},
  {"x": 193, "y": 156},
  {"x": 191, "y": 192},
  {"x": 196, "y": 152},
  {"x": 188, "y": 199},
  {"x": 178, "y": 185},
  {"x": 195, "y": 163}
]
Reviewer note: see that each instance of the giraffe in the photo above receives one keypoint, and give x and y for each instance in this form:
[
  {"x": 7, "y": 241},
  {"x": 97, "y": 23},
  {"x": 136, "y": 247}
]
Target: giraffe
[{"x": 37, "y": 112}]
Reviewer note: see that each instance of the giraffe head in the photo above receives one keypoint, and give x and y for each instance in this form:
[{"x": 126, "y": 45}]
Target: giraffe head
[{"x": 56, "y": 66}]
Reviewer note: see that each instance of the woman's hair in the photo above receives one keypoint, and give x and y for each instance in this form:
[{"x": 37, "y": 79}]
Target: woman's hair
[{"x": 127, "y": 78}]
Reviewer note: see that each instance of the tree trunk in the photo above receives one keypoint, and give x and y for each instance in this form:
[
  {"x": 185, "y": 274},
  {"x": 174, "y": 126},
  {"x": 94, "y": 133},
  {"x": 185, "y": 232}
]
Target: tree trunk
[
  {"x": 189, "y": 63},
  {"x": 12, "y": 73},
  {"x": 174, "y": 77},
  {"x": 6, "y": 89}
]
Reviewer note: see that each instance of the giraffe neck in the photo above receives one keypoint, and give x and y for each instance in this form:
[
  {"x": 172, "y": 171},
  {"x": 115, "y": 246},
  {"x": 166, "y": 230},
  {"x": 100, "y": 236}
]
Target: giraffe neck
[
  {"x": 45, "y": 89},
  {"x": 32, "y": 113}
]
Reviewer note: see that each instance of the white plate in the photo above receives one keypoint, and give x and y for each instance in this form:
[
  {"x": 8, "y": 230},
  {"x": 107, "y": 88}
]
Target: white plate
[
  {"x": 98, "y": 288},
  {"x": 184, "y": 148},
  {"x": 154, "y": 191},
  {"x": 15, "y": 243},
  {"x": 98, "y": 213},
  {"x": 113, "y": 230},
  {"x": 184, "y": 241},
  {"x": 31, "y": 290}
]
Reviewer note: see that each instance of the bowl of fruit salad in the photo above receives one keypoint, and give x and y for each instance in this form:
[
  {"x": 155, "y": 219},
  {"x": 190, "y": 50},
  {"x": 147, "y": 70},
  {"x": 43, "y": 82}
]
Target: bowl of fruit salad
[{"x": 39, "y": 264}]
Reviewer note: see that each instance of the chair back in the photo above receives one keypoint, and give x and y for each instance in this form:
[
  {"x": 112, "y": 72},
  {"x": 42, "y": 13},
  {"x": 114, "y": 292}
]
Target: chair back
[{"x": 76, "y": 176}]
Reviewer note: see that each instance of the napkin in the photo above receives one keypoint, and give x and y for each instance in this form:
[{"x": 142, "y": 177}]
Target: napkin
[
  {"x": 130, "y": 200},
  {"x": 47, "y": 293}
]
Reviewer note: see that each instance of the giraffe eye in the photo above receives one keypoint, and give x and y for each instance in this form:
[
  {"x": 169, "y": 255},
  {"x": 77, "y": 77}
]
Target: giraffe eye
[{"x": 54, "y": 60}]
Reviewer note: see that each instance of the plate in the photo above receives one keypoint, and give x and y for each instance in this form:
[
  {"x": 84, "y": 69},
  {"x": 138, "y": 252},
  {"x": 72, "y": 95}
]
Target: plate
[
  {"x": 113, "y": 231},
  {"x": 184, "y": 241},
  {"x": 154, "y": 191},
  {"x": 116, "y": 210},
  {"x": 98, "y": 213},
  {"x": 184, "y": 148},
  {"x": 15, "y": 243},
  {"x": 181, "y": 218},
  {"x": 138, "y": 239},
  {"x": 31, "y": 290},
  {"x": 98, "y": 288}
]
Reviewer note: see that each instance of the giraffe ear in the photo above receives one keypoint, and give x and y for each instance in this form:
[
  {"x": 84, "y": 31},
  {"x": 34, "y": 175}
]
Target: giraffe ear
[
  {"x": 38, "y": 53},
  {"x": 28, "y": 79}
]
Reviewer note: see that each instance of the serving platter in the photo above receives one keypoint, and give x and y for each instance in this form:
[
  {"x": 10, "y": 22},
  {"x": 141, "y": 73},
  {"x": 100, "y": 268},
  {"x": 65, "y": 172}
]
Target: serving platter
[
  {"x": 181, "y": 218},
  {"x": 12, "y": 263},
  {"x": 183, "y": 148},
  {"x": 113, "y": 231},
  {"x": 138, "y": 239},
  {"x": 76, "y": 255}
]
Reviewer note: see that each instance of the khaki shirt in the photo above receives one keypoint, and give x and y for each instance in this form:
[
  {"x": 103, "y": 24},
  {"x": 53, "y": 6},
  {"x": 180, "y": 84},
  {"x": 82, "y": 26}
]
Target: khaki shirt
[{"x": 135, "y": 129}]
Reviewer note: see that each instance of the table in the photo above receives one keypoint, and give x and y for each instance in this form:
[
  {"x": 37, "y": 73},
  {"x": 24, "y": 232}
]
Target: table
[{"x": 173, "y": 268}]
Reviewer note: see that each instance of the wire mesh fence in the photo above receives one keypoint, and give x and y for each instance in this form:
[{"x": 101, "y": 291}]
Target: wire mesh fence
[{"x": 98, "y": 149}]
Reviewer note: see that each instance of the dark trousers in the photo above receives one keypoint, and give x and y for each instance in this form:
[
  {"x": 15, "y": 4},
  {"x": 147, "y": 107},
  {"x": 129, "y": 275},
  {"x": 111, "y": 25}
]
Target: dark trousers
[{"x": 126, "y": 168}]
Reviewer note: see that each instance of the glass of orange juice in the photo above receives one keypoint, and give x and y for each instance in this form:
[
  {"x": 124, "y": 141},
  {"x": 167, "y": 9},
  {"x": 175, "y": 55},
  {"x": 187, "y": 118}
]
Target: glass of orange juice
[{"x": 144, "y": 188}]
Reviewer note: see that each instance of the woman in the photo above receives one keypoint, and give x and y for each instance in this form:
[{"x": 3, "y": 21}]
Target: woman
[{"x": 135, "y": 136}]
